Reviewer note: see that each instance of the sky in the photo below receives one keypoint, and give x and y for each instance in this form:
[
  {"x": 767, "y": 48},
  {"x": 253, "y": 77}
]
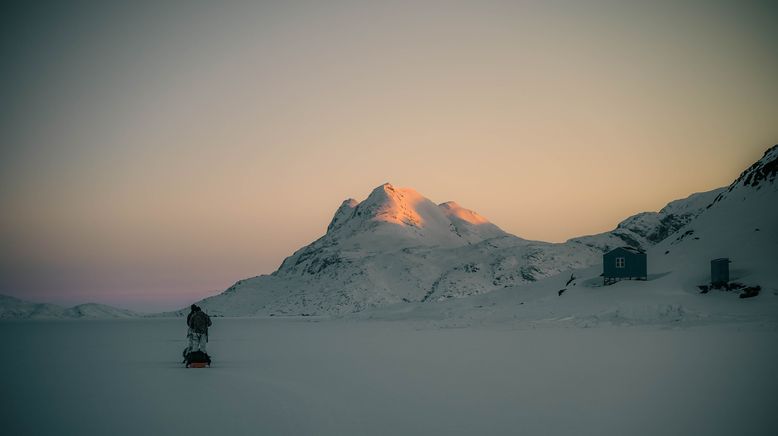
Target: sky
[{"x": 153, "y": 153}]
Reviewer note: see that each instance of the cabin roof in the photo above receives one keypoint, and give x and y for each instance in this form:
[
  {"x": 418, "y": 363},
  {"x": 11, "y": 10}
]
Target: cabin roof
[{"x": 632, "y": 250}]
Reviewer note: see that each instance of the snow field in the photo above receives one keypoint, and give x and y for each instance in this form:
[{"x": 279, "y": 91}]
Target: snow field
[{"x": 357, "y": 377}]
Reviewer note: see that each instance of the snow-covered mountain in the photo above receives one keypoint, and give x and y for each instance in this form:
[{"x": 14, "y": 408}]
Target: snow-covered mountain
[
  {"x": 395, "y": 246},
  {"x": 398, "y": 246},
  {"x": 14, "y": 308},
  {"x": 646, "y": 229},
  {"x": 391, "y": 217},
  {"x": 740, "y": 223}
]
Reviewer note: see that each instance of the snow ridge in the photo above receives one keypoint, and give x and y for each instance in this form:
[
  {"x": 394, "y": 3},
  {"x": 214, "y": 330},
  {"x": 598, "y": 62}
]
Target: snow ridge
[
  {"x": 646, "y": 229},
  {"x": 761, "y": 173}
]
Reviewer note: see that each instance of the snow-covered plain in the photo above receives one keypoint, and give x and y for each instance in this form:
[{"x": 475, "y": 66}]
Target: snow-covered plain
[{"x": 357, "y": 377}]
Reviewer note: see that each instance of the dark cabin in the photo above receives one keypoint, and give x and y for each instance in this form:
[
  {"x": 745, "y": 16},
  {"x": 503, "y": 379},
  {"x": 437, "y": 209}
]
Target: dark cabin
[
  {"x": 719, "y": 271},
  {"x": 624, "y": 263}
]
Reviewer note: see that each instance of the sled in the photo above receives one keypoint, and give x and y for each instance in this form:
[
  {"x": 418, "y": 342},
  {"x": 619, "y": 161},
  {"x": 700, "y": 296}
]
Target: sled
[{"x": 197, "y": 359}]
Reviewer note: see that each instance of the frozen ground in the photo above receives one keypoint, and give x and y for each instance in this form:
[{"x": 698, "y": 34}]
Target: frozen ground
[{"x": 363, "y": 377}]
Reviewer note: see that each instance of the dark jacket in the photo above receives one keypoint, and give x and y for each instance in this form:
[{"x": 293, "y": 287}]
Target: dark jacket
[{"x": 198, "y": 321}]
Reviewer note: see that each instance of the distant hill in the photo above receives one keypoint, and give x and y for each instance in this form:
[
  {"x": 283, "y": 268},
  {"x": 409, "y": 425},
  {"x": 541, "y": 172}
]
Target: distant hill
[{"x": 14, "y": 308}]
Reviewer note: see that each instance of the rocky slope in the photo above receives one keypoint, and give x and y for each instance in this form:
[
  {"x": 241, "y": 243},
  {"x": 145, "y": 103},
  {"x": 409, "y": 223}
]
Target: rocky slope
[{"x": 646, "y": 229}]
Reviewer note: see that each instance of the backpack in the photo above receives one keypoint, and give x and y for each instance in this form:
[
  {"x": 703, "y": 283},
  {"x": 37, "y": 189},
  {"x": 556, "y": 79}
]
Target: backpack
[{"x": 200, "y": 322}]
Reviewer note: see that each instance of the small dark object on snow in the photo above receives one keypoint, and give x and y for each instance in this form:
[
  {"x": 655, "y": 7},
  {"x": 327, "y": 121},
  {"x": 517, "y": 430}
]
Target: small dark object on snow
[
  {"x": 561, "y": 291},
  {"x": 751, "y": 291},
  {"x": 197, "y": 359},
  {"x": 667, "y": 252},
  {"x": 572, "y": 277},
  {"x": 727, "y": 286},
  {"x": 756, "y": 229},
  {"x": 685, "y": 234}
]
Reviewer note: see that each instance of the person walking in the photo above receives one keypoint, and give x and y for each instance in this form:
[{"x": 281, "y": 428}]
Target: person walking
[{"x": 198, "y": 323}]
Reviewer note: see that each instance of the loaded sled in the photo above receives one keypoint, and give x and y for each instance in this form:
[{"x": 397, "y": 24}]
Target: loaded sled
[{"x": 197, "y": 359}]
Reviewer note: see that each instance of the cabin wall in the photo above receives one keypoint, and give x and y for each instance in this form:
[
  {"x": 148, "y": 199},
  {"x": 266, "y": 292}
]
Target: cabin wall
[{"x": 635, "y": 264}]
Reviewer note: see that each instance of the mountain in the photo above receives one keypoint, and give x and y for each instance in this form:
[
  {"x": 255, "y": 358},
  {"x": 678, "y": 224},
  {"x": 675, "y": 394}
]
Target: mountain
[
  {"x": 14, "y": 308},
  {"x": 646, "y": 229},
  {"x": 97, "y": 311},
  {"x": 394, "y": 246},
  {"x": 740, "y": 223},
  {"x": 398, "y": 246},
  {"x": 392, "y": 217}
]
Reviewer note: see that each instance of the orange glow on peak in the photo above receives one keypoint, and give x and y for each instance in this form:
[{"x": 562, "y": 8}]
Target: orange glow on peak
[
  {"x": 452, "y": 208},
  {"x": 398, "y": 205}
]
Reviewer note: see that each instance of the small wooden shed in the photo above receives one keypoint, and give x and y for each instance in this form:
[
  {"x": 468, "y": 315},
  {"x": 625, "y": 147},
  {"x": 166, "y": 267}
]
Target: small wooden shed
[
  {"x": 624, "y": 263},
  {"x": 719, "y": 271}
]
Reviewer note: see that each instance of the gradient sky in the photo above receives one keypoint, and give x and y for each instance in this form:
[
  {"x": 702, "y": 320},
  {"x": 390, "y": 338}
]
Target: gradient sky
[{"x": 156, "y": 152}]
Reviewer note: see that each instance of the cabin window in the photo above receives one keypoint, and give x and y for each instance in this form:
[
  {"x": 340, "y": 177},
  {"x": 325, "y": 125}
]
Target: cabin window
[{"x": 619, "y": 262}]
